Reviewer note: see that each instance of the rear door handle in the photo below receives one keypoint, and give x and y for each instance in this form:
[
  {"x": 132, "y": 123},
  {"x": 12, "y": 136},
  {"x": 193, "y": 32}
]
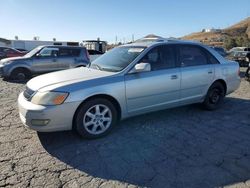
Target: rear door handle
[{"x": 173, "y": 77}]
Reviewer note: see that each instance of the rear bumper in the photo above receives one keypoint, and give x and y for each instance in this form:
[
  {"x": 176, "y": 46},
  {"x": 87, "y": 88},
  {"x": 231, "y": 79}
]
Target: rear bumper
[
  {"x": 233, "y": 85},
  {"x": 58, "y": 117}
]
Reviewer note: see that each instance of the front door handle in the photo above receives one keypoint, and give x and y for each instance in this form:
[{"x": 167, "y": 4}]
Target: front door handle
[
  {"x": 210, "y": 72},
  {"x": 173, "y": 77}
]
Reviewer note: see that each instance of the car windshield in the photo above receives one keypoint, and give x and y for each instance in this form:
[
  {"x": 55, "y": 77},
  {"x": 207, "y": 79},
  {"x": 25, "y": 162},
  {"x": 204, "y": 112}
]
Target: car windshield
[
  {"x": 116, "y": 59},
  {"x": 33, "y": 52}
]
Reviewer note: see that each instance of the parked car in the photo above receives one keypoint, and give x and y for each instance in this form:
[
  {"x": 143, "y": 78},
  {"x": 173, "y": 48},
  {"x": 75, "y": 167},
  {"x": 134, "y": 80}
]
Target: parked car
[
  {"x": 93, "y": 54},
  {"x": 239, "y": 49},
  {"x": 241, "y": 55},
  {"x": 44, "y": 59},
  {"x": 22, "y": 50},
  {"x": 220, "y": 50},
  {"x": 6, "y": 52},
  {"x": 126, "y": 81}
]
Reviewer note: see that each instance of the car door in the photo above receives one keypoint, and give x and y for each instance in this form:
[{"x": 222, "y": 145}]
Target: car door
[
  {"x": 197, "y": 72},
  {"x": 46, "y": 60},
  {"x": 65, "y": 58},
  {"x": 158, "y": 88}
]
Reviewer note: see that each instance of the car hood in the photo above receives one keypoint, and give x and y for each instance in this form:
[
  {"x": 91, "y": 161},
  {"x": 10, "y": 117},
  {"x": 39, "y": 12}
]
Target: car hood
[
  {"x": 65, "y": 77},
  {"x": 5, "y": 60}
]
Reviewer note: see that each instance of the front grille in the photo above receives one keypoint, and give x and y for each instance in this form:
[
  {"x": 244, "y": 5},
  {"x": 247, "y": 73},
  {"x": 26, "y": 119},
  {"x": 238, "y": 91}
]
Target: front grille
[{"x": 28, "y": 93}]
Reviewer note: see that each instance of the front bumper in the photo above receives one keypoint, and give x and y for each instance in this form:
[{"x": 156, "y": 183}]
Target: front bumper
[{"x": 58, "y": 118}]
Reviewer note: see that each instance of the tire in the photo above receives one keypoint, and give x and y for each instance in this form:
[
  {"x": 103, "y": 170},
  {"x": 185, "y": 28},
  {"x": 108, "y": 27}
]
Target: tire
[
  {"x": 214, "y": 97},
  {"x": 95, "y": 118},
  {"x": 20, "y": 74}
]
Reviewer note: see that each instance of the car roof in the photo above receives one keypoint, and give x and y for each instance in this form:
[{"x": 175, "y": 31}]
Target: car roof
[
  {"x": 151, "y": 42},
  {"x": 61, "y": 46}
]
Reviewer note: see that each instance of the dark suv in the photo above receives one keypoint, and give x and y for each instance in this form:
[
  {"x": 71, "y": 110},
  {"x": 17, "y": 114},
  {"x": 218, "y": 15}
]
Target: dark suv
[{"x": 44, "y": 59}]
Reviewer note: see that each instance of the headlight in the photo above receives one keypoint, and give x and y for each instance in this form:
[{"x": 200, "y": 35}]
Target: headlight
[{"x": 49, "y": 98}]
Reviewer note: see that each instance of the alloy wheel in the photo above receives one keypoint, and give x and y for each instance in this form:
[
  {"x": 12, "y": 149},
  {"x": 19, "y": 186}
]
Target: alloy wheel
[{"x": 97, "y": 119}]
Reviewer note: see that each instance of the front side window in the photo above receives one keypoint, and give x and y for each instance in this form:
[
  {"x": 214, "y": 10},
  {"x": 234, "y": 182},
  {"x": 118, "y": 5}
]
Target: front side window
[
  {"x": 49, "y": 52},
  {"x": 117, "y": 59},
  {"x": 161, "y": 57},
  {"x": 191, "y": 56}
]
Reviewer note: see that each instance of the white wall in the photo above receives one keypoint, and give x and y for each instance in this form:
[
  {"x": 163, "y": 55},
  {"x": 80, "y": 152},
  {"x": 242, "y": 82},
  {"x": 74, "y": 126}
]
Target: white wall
[{"x": 29, "y": 44}]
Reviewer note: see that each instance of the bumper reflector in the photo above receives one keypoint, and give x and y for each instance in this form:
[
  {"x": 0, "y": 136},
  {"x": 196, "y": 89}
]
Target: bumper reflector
[{"x": 40, "y": 121}]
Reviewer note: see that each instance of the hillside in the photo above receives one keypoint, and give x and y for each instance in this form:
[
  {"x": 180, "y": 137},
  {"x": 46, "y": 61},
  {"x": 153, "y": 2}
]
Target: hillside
[{"x": 239, "y": 29}]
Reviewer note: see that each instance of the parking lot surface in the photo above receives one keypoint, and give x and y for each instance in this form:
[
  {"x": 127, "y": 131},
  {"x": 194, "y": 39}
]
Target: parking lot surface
[{"x": 181, "y": 147}]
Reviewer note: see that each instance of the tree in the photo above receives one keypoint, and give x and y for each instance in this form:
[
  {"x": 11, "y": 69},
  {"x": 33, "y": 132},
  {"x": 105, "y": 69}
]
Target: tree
[{"x": 229, "y": 43}]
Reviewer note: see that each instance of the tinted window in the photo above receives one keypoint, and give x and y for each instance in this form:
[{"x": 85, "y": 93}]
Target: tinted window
[
  {"x": 212, "y": 59},
  {"x": 68, "y": 52},
  {"x": 161, "y": 57},
  {"x": 64, "y": 52},
  {"x": 94, "y": 52},
  {"x": 49, "y": 52},
  {"x": 76, "y": 52},
  {"x": 192, "y": 56}
]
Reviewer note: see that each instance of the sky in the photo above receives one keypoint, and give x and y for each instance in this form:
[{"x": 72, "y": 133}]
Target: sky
[{"x": 77, "y": 20}]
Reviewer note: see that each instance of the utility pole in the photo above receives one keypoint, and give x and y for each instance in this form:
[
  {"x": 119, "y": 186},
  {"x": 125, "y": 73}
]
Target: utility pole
[{"x": 133, "y": 38}]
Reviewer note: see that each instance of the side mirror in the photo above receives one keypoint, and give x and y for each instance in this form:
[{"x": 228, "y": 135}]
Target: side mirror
[
  {"x": 141, "y": 67},
  {"x": 38, "y": 55}
]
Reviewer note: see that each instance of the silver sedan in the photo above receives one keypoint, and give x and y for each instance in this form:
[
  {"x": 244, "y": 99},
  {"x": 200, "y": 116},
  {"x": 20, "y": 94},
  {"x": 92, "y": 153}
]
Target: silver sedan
[{"x": 126, "y": 81}]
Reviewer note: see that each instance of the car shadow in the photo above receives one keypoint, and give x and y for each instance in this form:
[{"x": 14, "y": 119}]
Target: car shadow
[
  {"x": 16, "y": 81},
  {"x": 181, "y": 147}
]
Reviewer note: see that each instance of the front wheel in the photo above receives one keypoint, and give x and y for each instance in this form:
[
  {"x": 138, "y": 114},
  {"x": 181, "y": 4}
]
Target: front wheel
[
  {"x": 95, "y": 118},
  {"x": 214, "y": 97},
  {"x": 20, "y": 74}
]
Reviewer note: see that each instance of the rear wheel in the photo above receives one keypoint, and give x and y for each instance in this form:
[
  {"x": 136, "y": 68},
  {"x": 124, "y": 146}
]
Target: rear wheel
[
  {"x": 20, "y": 74},
  {"x": 95, "y": 118},
  {"x": 214, "y": 97}
]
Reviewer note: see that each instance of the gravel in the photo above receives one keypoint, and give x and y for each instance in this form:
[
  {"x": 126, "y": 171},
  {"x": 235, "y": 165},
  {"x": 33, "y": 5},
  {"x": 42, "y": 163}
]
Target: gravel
[{"x": 181, "y": 147}]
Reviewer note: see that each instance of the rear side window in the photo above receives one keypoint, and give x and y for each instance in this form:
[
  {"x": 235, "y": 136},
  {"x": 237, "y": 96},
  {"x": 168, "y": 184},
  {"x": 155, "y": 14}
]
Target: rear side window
[
  {"x": 192, "y": 56},
  {"x": 68, "y": 52},
  {"x": 76, "y": 52}
]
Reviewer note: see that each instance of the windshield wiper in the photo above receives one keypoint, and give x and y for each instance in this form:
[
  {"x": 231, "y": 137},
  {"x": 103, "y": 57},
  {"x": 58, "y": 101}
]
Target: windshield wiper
[
  {"x": 97, "y": 66},
  {"x": 109, "y": 70}
]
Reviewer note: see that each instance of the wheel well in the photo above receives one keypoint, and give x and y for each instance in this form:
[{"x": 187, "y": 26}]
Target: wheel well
[
  {"x": 223, "y": 83},
  {"x": 103, "y": 96},
  {"x": 21, "y": 68}
]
